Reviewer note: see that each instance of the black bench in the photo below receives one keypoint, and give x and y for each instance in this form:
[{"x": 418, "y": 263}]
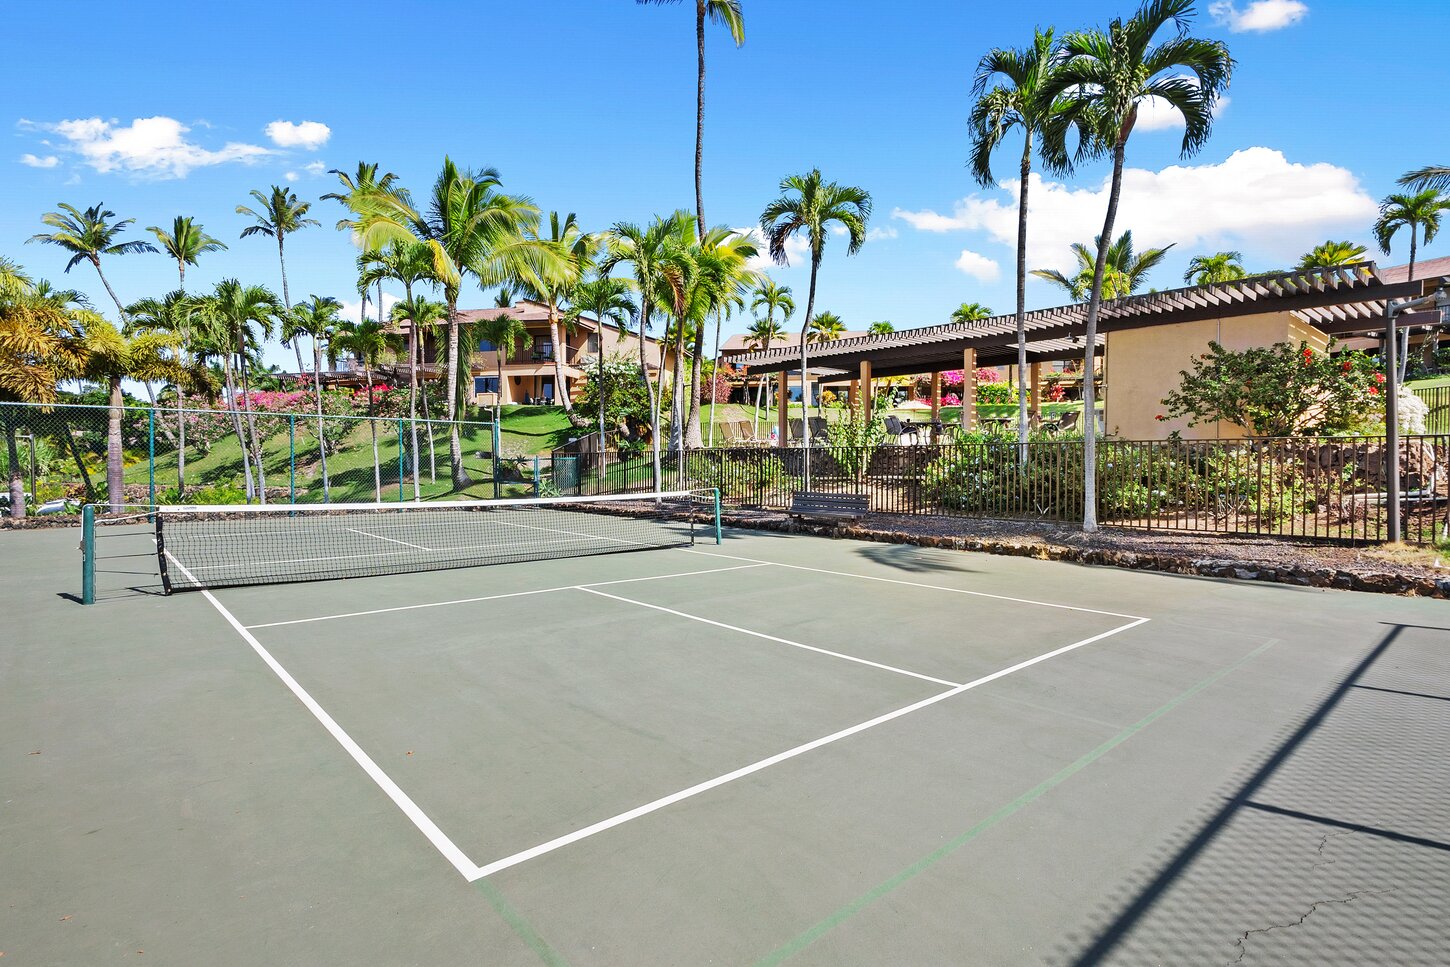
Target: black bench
[{"x": 833, "y": 507}]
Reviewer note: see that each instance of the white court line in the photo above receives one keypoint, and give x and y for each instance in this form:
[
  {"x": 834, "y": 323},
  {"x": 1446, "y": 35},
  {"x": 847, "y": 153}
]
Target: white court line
[
  {"x": 388, "y": 539},
  {"x": 426, "y": 826},
  {"x": 783, "y": 641},
  {"x": 495, "y": 597},
  {"x": 915, "y": 584},
  {"x": 490, "y": 868}
]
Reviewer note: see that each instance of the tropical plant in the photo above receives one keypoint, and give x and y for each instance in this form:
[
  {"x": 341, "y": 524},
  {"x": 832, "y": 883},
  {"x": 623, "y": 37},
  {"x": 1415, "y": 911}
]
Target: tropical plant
[
  {"x": 1215, "y": 268},
  {"x": 169, "y": 315},
  {"x": 608, "y": 299},
  {"x": 422, "y": 315},
  {"x": 810, "y": 205},
  {"x": 726, "y": 13},
  {"x": 184, "y": 244},
  {"x": 1104, "y": 78},
  {"x": 826, "y": 327},
  {"x": 573, "y": 251},
  {"x": 14, "y": 282},
  {"x": 1331, "y": 253},
  {"x": 318, "y": 318},
  {"x": 366, "y": 180},
  {"x": 771, "y": 297},
  {"x": 719, "y": 280},
  {"x": 970, "y": 312},
  {"x": 368, "y": 341},
  {"x": 88, "y": 235},
  {"x": 1016, "y": 102},
  {"x": 1419, "y": 212},
  {"x": 1125, "y": 274},
  {"x": 882, "y": 327},
  {"x": 471, "y": 228},
  {"x": 277, "y": 215},
  {"x": 1430, "y": 176},
  {"x": 508, "y": 336}
]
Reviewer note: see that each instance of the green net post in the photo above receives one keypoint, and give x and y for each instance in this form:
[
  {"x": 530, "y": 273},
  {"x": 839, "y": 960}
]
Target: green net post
[
  {"x": 292, "y": 458},
  {"x": 718, "y": 539},
  {"x": 493, "y": 432},
  {"x": 151, "y": 456},
  {"x": 401, "y": 471},
  {"x": 88, "y": 554},
  {"x": 536, "y": 475}
]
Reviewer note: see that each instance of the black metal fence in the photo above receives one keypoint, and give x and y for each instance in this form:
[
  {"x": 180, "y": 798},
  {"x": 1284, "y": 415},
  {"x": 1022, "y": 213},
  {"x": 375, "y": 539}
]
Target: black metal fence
[
  {"x": 1329, "y": 488},
  {"x": 1437, "y": 398}
]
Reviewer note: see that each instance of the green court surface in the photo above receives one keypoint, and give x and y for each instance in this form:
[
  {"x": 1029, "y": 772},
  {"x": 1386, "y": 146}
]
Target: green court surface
[{"x": 778, "y": 750}]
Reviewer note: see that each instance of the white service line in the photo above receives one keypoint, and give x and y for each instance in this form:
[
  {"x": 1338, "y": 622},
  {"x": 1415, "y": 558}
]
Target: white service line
[
  {"x": 388, "y": 539},
  {"x": 498, "y": 865},
  {"x": 783, "y": 641},
  {"x": 495, "y": 597},
  {"x": 426, "y": 826},
  {"x": 916, "y": 584}
]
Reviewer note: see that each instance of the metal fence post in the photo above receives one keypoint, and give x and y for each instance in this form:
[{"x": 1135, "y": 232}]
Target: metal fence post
[
  {"x": 536, "y": 475},
  {"x": 401, "y": 471},
  {"x": 292, "y": 458},
  {"x": 151, "y": 456},
  {"x": 718, "y": 539},
  {"x": 497, "y": 441},
  {"x": 88, "y": 554}
]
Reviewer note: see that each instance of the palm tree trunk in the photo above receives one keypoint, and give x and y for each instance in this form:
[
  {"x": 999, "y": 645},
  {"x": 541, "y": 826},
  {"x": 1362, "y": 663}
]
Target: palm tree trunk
[
  {"x": 115, "y": 469},
  {"x": 114, "y": 298},
  {"x": 180, "y": 398},
  {"x": 561, "y": 382},
  {"x": 805, "y": 377},
  {"x": 373, "y": 427},
  {"x": 650, "y": 390},
  {"x": 700, "y": 116},
  {"x": 1022, "y": 426},
  {"x": 692, "y": 423},
  {"x": 600, "y": 466},
  {"x": 237, "y": 424},
  {"x": 16, "y": 474},
  {"x": 455, "y": 445},
  {"x": 677, "y": 391},
  {"x": 252, "y": 424},
  {"x": 1090, "y": 338},
  {"x": 413, "y": 389},
  {"x": 321, "y": 434},
  {"x": 714, "y": 375}
]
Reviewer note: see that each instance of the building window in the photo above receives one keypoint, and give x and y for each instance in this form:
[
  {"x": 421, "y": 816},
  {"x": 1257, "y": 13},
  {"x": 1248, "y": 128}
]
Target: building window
[
  {"x": 591, "y": 345},
  {"x": 486, "y": 346},
  {"x": 543, "y": 349},
  {"x": 485, "y": 384}
]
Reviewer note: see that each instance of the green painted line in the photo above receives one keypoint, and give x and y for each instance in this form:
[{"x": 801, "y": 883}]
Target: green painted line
[
  {"x": 520, "y": 926},
  {"x": 799, "y": 943}
]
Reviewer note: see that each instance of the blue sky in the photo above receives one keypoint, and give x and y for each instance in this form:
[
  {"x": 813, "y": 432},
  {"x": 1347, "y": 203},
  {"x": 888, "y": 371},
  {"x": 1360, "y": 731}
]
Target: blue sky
[{"x": 588, "y": 106}]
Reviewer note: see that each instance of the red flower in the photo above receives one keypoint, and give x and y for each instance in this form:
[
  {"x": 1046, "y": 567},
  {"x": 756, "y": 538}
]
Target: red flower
[
  {"x": 1379, "y": 377},
  {"x": 1374, "y": 391},
  {"x": 1160, "y": 416},
  {"x": 1346, "y": 365}
]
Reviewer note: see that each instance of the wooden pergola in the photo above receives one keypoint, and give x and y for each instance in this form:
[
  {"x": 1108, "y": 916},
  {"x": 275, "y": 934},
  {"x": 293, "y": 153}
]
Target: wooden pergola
[{"x": 1339, "y": 301}]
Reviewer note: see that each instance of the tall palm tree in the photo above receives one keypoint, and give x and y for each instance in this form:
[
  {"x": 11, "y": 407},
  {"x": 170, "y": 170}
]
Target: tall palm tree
[
  {"x": 184, "y": 244},
  {"x": 354, "y": 186},
  {"x": 278, "y": 215},
  {"x": 88, "y": 235},
  {"x": 1331, "y": 253},
  {"x": 658, "y": 256},
  {"x": 811, "y": 205},
  {"x": 770, "y": 296},
  {"x": 1104, "y": 78},
  {"x": 826, "y": 327},
  {"x": 882, "y": 327},
  {"x": 573, "y": 251},
  {"x": 1015, "y": 102},
  {"x": 607, "y": 300},
  {"x": 1430, "y": 176},
  {"x": 368, "y": 341},
  {"x": 317, "y": 318},
  {"x": 1419, "y": 212},
  {"x": 719, "y": 279},
  {"x": 970, "y": 312},
  {"x": 169, "y": 315},
  {"x": 726, "y": 13},
  {"x": 1215, "y": 268},
  {"x": 472, "y": 229},
  {"x": 1127, "y": 269},
  {"x": 422, "y": 315}
]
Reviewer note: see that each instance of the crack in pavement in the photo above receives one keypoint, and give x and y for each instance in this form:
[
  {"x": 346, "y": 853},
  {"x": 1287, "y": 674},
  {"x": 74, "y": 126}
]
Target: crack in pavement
[{"x": 1242, "y": 941}]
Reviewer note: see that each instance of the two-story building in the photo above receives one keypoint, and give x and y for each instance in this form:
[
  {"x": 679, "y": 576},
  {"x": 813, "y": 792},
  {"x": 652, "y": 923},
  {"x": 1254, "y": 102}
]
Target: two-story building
[{"x": 531, "y": 373}]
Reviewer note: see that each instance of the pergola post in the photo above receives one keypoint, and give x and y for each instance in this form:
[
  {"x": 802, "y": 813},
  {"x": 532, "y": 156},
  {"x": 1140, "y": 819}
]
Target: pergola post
[
  {"x": 851, "y": 396},
  {"x": 935, "y": 396},
  {"x": 781, "y": 404},
  {"x": 1034, "y": 389},
  {"x": 866, "y": 401},
  {"x": 969, "y": 389}
]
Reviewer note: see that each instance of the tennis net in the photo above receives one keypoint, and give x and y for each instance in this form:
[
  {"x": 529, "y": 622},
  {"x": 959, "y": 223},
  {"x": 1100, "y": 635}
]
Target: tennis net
[{"x": 226, "y": 546}]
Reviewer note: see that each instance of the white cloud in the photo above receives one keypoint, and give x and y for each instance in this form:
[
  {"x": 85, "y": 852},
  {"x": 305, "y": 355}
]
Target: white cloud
[
  {"x": 154, "y": 147},
  {"x": 314, "y": 167},
  {"x": 1156, "y": 114},
  {"x": 1259, "y": 16},
  {"x": 1255, "y": 201},
  {"x": 880, "y": 233},
  {"x": 978, "y": 266},
  {"x": 299, "y": 134},
  {"x": 352, "y": 311},
  {"x": 797, "y": 250},
  {"x": 290, "y": 175},
  {"x": 49, "y": 161}
]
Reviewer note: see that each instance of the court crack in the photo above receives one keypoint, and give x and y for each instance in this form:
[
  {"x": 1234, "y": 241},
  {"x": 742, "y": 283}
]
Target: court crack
[{"x": 1242, "y": 942}]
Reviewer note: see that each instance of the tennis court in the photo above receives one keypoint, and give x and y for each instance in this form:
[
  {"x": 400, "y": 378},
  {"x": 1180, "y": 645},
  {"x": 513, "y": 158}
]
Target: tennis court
[{"x": 769, "y": 750}]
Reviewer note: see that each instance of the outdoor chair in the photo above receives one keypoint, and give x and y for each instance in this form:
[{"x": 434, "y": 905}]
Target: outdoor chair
[
  {"x": 730, "y": 434},
  {"x": 745, "y": 432},
  {"x": 819, "y": 426},
  {"x": 895, "y": 428},
  {"x": 1068, "y": 421},
  {"x": 795, "y": 429}
]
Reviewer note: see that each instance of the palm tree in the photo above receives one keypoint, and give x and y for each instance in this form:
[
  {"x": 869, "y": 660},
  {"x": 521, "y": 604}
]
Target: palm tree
[
  {"x": 1104, "y": 78},
  {"x": 112, "y": 356},
  {"x": 881, "y": 328},
  {"x": 769, "y": 296},
  {"x": 1127, "y": 269},
  {"x": 169, "y": 315},
  {"x": 364, "y": 181},
  {"x": 970, "y": 312},
  {"x": 573, "y": 250},
  {"x": 719, "y": 279},
  {"x": 422, "y": 315},
  {"x": 41, "y": 344},
  {"x": 278, "y": 215},
  {"x": 1419, "y": 212},
  {"x": 14, "y": 282},
  {"x": 88, "y": 235},
  {"x": 471, "y": 228},
  {"x": 1016, "y": 102},
  {"x": 726, "y": 13},
  {"x": 508, "y": 336},
  {"x": 317, "y": 318},
  {"x": 368, "y": 340},
  {"x": 1215, "y": 268},
  {"x": 608, "y": 299},
  {"x": 658, "y": 258},
  {"x": 1331, "y": 253},
  {"x": 811, "y": 205},
  {"x": 1430, "y": 176},
  {"x": 826, "y": 327},
  {"x": 185, "y": 243}
]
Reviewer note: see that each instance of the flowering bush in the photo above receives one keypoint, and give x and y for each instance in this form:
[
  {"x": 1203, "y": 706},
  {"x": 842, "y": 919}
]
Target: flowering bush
[{"x": 715, "y": 388}]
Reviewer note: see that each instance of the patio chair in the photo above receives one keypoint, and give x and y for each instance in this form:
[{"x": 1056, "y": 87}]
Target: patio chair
[
  {"x": 745, "y": 432},
  {"x": 730, "y": 434},
  {"x": 1068, "y": 421},
  {"x": 795, "y": 429},
  {"x": 895, "y": 428},
  {"x": 819, "y": 426}
]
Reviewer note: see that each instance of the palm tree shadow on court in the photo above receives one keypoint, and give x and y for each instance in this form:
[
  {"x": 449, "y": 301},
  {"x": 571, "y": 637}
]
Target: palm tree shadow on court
[
  {"x": 1334, "y": 849},
  {"x": 916, "y": 560}
]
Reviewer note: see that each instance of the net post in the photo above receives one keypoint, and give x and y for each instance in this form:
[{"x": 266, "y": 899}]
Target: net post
[
  {"x": 494, "y": 436},
  {"x": 88, "y": 554},
  {"x": 151, "y": 456},
  {"x": 536, "y": 475},
  {"x": 716, "y": 493},
  {"x": 401, "y": 471},
  {"x": 291, "y": 458}
]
